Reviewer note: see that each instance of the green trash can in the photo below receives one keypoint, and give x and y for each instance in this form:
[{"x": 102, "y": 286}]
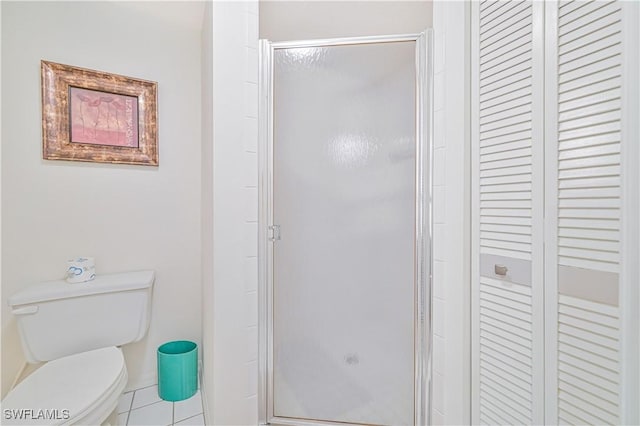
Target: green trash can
[{"x": 177, "y": 370}]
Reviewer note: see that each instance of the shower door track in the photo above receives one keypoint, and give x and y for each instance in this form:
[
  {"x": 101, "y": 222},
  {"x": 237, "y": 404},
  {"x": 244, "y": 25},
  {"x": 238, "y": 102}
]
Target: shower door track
[{"x": 423, "y": 336}]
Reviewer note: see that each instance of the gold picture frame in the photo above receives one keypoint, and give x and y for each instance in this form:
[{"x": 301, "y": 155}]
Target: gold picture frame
[{"x": 97, "y": 116}]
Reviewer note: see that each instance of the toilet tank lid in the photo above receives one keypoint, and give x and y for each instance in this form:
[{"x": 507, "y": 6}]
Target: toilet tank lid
[{"x": 60, "y": 289}]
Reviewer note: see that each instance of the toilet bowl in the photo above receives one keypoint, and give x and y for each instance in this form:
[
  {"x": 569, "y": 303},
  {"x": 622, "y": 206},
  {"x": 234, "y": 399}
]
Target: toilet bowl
[
  {"x": 78, "y": 389},
  {"x": 77, "y": 329}
]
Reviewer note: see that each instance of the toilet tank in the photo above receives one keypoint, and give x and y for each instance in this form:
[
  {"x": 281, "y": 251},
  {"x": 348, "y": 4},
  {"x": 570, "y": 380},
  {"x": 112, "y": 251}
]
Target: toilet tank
[{"x": 57, "y": 319}]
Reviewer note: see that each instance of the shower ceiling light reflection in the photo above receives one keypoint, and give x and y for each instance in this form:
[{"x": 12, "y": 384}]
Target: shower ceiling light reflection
[
  {"x": 352, "y": 149},
  {"x": 304, "y": 55}
]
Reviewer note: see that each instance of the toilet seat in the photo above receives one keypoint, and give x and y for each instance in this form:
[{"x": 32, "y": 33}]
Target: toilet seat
[{"x": 87, "y": 384}]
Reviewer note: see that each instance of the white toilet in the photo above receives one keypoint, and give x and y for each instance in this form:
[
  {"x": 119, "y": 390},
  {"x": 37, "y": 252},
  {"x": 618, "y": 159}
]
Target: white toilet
[{"x": 77, "y": 329}]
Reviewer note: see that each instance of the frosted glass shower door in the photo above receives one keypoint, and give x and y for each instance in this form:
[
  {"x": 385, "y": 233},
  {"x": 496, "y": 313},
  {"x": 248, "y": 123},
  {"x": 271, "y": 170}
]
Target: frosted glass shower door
[{"x": 344, "y": 278}]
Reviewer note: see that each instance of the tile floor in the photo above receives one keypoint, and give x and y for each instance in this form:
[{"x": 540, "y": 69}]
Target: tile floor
[{"x": 144, "y": 407}]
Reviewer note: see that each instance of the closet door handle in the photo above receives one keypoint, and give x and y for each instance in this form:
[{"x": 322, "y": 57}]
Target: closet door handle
[{"x": 500, "y": 270}]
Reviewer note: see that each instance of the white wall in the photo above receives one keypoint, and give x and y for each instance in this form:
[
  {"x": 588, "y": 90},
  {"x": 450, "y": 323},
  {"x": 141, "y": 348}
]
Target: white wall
[
  {"x": 230, "y": 258},
  {"x": 207, "y": 209},
  {"x": 2, "y": 340},
  {"x": 304, "y": 20},
  {"x": 128, "y": 217},
  {"x": 451, "y": 363}
]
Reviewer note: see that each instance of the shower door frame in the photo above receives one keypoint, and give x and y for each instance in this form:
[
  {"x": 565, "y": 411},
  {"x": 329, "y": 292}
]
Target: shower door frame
[{"x": 423, "y": 259}]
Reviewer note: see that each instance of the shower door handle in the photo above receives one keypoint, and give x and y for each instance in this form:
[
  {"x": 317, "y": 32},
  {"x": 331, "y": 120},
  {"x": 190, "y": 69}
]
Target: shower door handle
[{"x": 275, "y": 232}]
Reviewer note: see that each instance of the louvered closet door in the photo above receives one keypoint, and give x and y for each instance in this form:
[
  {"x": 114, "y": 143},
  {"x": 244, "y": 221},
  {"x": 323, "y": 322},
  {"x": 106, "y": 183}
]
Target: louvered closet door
[
  {"x": 563, "y": 157},
  {"x": 583, "y": 146},
  {"x": 507, "y": 142}
]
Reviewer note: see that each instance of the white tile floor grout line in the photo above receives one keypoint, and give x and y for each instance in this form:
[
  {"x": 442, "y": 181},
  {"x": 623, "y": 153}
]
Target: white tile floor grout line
[
  {"x": 154, "y": 413},
  {"x": 191, "y": 417}
]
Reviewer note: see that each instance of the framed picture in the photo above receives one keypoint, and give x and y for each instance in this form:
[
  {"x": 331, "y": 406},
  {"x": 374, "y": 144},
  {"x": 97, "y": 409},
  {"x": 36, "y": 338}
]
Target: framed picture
[{"x": 97, "y": 116}]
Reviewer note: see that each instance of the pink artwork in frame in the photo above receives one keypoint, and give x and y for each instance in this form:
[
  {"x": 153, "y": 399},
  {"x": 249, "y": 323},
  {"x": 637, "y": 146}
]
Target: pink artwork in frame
[
  {"x": 103, "y": 118},
  {"x": 96, "y": 116}
]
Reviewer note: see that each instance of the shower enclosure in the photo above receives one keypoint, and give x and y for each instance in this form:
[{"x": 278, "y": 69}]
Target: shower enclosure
[{"x": 345, "y": 231}]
